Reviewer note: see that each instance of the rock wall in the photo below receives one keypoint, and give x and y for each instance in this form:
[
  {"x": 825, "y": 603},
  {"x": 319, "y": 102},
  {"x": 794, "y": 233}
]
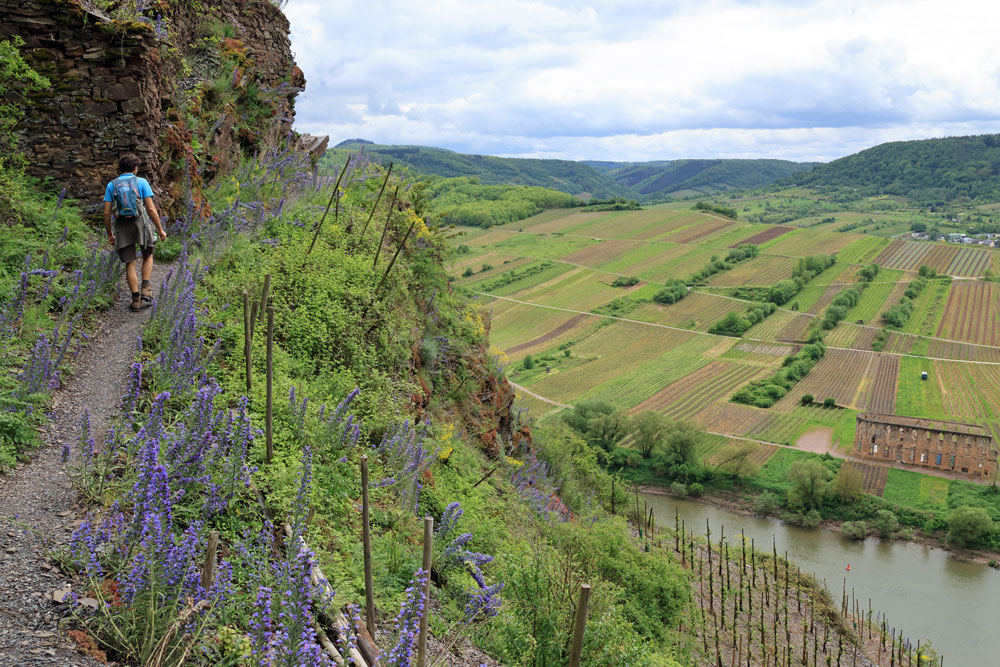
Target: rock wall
[{"x": 131, "y": 86}]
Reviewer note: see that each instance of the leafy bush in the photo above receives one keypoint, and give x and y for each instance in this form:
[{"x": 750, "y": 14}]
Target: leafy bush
[
  {"x": 857, "y": 530},
  {"x": 969, "y": 526},
  {"x": 766, "y": 504},
  {"x": 625, "y": 281},
  {"x": 679, "y": 489},
  {"x": 765, "y": 393},
  {"x": 885, "y": 523},
  {"x": 673, "y": 291},
  {"x": 716, "y": 208}
]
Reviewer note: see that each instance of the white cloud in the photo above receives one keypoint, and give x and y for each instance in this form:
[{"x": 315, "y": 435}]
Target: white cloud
[{"x": 639, "y": 80}]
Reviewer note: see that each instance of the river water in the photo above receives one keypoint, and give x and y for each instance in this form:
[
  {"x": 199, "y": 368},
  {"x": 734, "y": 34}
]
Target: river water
[{"x": 923, "y": 591}]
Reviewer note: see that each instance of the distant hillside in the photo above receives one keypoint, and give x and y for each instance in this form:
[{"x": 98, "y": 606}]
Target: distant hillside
[
  {"x": 600, "y": 178},
  {"x": 658, "y": 179},
  {"x": 928, "y": 171},
  {"x": 564, "y": 175}
]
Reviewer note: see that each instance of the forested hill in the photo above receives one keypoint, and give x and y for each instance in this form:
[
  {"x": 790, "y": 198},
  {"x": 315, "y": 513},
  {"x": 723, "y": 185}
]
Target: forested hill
[
  {"x": 681, "y": 177},
  {"x": 640, "y": 180},
  {"x": 564, "y": 175},
  {"x": 928, "y": 171}
]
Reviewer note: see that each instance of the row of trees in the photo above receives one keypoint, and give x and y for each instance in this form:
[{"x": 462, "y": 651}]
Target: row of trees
[{"x": 603, "y": 425}]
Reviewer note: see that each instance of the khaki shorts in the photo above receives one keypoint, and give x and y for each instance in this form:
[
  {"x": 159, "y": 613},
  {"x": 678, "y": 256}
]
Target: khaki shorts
[{"x": 128, "y": 253}]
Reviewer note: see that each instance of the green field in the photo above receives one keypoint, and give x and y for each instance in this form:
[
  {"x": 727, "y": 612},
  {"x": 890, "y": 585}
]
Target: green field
[
  {"x": 873, "y": 298},
  {"x": 911, "y": 489}
]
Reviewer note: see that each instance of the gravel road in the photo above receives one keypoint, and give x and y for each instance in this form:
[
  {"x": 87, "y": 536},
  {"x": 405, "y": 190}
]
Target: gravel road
[{"x": 38, "y": 504}]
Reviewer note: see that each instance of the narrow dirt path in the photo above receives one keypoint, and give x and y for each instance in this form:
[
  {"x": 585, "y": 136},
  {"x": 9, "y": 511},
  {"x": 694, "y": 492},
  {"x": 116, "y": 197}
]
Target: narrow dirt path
[{"x": 38, "y": 504}]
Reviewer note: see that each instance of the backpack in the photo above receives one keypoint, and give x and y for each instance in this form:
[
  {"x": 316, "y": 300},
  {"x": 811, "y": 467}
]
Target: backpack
[{"x": 126, "y": 196}]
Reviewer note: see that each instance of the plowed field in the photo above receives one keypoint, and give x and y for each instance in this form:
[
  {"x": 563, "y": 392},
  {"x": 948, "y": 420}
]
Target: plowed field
[{"x": 764, "y": 236}]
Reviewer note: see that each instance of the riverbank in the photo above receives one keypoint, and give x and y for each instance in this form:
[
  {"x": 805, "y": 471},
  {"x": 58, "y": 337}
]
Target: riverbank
[{"x": 737, "y": 504}]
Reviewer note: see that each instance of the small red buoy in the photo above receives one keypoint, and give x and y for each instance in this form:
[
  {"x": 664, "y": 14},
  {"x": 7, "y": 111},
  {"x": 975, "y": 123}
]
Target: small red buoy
[{"x": 848, "y": 568}]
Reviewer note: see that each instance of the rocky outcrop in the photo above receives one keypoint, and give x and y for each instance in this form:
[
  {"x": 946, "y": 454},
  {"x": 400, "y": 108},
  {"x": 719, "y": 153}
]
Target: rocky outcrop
[{"x": 136, "y": 85}]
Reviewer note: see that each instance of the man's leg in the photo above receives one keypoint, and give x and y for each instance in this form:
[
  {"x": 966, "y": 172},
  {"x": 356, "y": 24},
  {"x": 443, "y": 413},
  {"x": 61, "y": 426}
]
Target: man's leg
[
  {"x": 147, "y": 266},
  {"x": 147, "y": 271},
  {"x": 131, "y": 278}
]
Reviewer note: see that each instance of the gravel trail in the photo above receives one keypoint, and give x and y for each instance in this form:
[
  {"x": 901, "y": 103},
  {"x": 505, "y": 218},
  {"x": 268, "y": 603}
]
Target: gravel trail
[{"x": 39, "y": 506}]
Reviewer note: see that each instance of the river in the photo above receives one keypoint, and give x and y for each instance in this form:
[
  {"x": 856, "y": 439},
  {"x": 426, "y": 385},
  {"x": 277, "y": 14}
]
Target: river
[{"x": 923, "y": 591}]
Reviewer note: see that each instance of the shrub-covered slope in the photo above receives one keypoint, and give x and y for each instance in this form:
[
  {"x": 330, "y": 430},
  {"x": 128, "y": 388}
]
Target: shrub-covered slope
[{"x": 929, "y": 171}]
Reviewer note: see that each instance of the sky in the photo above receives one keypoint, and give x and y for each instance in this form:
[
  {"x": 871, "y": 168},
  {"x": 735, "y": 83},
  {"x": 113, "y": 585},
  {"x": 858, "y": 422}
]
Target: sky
[{"x": 633, "y": 81}]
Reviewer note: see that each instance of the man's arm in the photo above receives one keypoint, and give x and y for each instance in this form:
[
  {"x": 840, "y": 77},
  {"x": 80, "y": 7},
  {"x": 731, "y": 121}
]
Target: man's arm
[
  {"x": 107, "y": 223},
  {"x": 155, "y": 216}
]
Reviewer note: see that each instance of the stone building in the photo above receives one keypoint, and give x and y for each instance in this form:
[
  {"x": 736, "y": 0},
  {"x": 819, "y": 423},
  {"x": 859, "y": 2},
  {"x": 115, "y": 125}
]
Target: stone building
[{"x": 927, "y": 443}]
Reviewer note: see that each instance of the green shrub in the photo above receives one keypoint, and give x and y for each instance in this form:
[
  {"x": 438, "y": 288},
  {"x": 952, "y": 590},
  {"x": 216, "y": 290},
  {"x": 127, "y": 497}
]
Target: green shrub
[
  {"x": 857, "y": 530},
  {"x": 766, "y": 504}
]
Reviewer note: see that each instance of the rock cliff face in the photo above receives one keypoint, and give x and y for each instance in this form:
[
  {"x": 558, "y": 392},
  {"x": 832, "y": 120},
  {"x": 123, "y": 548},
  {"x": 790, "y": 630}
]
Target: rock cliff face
[{"x": 185, "y": 89}]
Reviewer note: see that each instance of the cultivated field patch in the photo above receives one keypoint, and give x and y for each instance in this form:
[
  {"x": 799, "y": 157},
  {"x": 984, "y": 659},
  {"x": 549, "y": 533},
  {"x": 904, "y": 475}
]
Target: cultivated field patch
[
  {"x": 841, "y": 374},
  {"x": 689, "y": 396},
  {"x": 862, "y": 249},
  {"x": 762, "y": 270},
  {"x": 972, "y": 262},
  {"x": 972, "y": 313},
  {"x": 764, "y": 236},
  {"x": 601, "y": 252},
  {"x": 698, "y": 310},
  {"x": 702, "y": 229}
]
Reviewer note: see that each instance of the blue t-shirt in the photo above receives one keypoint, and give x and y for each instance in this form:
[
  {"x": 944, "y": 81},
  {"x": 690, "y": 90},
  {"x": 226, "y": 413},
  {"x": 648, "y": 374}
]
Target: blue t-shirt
[{"x": 141, "y": 183}]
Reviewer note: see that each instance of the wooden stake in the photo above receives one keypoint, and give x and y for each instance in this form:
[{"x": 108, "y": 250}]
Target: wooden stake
[
  {"x": 366, "y": 536},
  {"x": 428, "y": 547},
  {"x": 579, "y": 626},
  {"x": 247, "y": 341},
  {"x": 333, "y": 196},
  {"x": 385, "y": 229},
  {"x": 208, "y": 571},
  {"x": 265, "y": 294},
  {"x": 268, "y": 425},
  {"x": 388, "y": 268},
  {"x": 377, "y": 200}
]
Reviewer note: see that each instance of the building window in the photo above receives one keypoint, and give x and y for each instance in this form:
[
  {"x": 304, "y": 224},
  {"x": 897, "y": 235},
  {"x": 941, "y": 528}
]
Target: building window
[
  {"x": 875, "y": 449},
  {"x": 923, "y": 458},
  {"x": 938, "y": 459}
]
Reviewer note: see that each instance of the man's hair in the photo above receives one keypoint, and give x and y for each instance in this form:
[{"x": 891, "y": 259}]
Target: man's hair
[{"x": 127, "y": 163}]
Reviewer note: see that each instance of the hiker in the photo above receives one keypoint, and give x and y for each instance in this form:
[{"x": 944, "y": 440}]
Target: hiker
[{"x": 133, "y": 208}]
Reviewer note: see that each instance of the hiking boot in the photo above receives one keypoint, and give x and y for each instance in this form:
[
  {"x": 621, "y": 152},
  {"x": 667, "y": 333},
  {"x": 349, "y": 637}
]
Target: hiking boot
[
  {"x": 136, "y": 304},
  {"x": 146, "y": 293}
]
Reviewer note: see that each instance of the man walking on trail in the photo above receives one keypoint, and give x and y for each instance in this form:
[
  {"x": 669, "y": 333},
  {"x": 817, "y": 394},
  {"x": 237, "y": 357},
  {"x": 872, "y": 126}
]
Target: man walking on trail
[{"x": 132, "y": 200}]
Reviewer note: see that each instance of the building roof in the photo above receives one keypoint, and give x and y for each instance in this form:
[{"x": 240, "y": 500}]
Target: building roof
[{"x": 932, "y": 424}]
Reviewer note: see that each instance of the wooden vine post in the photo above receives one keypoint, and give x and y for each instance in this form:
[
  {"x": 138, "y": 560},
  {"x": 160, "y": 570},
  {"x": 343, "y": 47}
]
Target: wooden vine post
[
  {"x": 247, "y": 341},
  {"x": 208, "y": 571},
  {"x": 428, "y": 550},
  {"x": 268, "y": 425},
  {"x": 367, "y": 539},
  {"x": 579, "y": 626}
]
